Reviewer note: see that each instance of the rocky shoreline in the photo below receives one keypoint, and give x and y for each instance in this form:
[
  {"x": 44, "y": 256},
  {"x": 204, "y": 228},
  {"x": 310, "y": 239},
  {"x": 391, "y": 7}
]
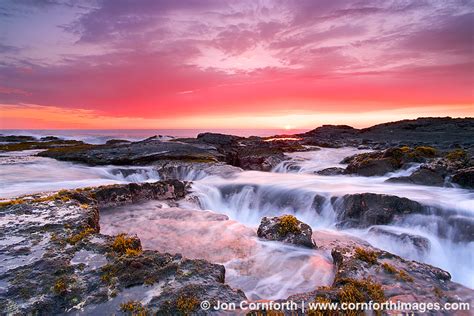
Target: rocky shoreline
[{"x": 56, "y": 261}]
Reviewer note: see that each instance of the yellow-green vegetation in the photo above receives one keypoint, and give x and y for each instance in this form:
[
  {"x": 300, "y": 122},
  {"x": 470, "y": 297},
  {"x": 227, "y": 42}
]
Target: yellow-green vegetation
[
  {"x": 68, "y": 149},
  {"x": 405, "y": 149},
  {"x": 134, "y": 308},
  {"x": 354, "y": 291},
  {"x": 426, "y": 151},
  {"x": 389, "y": 268},
  {"x": 457, "y": 154},
  {"x": 38, "y": 145},
  {"x": 288, "y": 224},
  {"x": 132, "y": 252},
  {"x": 368, "y": 256},
  {"x": 438, "y": 292},
  {"x": 404, "y": 276},
  {"x": 11, "y": 202},
  {"x": 108, "y": 273},
  {"x": 400, "y": 274},
  {"x": 149, "y": 281},
  {"x": 60, "y": 286},
  {"x": 127, "y": 245},
  {"x": 187, "y": 304},
  {"x": 74, "y": 239}
]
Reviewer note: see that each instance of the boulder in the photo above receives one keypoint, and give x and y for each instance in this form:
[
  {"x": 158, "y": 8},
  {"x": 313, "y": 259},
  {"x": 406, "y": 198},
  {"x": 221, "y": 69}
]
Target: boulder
[
  {"x": 422, "y": 176},
  {"x": 367, "y": 209},
  {"x": 136, "y": 153},
  {"x": 16, "y": 138},
  {"x": 287, "y": 229},
  {"x": 364, "y": 273},
  {"x": 194, "y": 171},
  {"x": 378, "y": 163},
  {"x": 333, "y": 171},
  {"x": 464, "y": 178},
  {"x": 218, "y": 139}
]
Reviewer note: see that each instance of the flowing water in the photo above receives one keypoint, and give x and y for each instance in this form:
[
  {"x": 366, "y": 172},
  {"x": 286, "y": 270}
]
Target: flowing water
[{"x": 220, "y": 223}]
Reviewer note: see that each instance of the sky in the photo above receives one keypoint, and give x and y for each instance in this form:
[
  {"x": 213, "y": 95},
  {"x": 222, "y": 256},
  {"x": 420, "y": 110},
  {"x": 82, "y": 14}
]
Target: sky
[{"x": 290, "y": 64}]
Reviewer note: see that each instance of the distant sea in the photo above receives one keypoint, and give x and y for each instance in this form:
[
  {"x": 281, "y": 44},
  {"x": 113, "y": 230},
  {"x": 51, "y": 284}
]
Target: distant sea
[{"x": 101, "y": 136}]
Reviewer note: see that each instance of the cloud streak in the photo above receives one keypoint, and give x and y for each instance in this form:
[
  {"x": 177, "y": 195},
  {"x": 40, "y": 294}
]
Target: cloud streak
[{"x": 172, "y": 59}]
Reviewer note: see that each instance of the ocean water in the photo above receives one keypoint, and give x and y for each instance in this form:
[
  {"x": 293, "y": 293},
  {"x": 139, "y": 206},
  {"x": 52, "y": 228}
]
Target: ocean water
[{"x": 101, "y": 136}]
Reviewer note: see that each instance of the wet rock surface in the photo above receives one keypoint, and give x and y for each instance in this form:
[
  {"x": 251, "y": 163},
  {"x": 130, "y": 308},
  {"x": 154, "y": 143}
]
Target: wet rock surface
[
  {"x": 422, "y": 176},
  {"x": 264, "y": 153},
  {"x": 365, "y": 273},
  {"x": 287, "y": 229},
  {"x": 441, "y": 133},
  {"x": 367, "y": 209},
  {"x": 420, "y": 243},
  {"x": 137, "y": 153},
  {"x": 333, "y": 171},
  {"x": 455, "y": 166},
  {"x": 381, "y": 162},
  {"x": 54, "y": 260},
  {"x": 464, "y": 178}
]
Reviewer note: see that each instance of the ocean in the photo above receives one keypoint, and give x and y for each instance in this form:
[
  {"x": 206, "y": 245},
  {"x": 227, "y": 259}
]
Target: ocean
[{"x": 100, "y": 136}]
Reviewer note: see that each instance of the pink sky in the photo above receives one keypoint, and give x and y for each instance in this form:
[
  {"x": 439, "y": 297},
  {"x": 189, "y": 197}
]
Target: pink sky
[{"x": 233, "y": 64}]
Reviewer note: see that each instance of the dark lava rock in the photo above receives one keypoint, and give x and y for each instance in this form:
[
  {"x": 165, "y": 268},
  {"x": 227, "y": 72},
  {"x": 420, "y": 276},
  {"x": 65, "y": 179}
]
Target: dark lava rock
[
  {"x": 55, "y": 261},
  {"x": 437, "y": 171},
  {"x": 364, "y": 273},
  {"x": 464, "y": 177},
  {"x": 379, "y": 163},
  {"x": 121, "y": 194},
  {"x": 331, "y": 136},
  {"x": 16, "y": 138},
  {"x": 49, "y": 138},
  {"x": 116, "y": 141},
  {"x": 29, "y": 145},
  {"x": 287, "y": 229},
  {"x": 191, "y": 171},
  {"x": 422, "y": 176},
  {"x": 367, "y": 209},
  {"x": 252, "y": 153},
  {"x": 420, "y": 243},
  {"x": 137, "y": 153},
  {"x": 441, "y": 133},
  {"x": 218, "y": 139},
  {"x": 333, "y": 171}
]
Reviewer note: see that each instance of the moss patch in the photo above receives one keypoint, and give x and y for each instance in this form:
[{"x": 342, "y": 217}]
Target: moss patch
[
  {"x": 39, "y": 145},
  {"x": 359, "y": 291},
  {"x": 127, "y": 245},
  {"x": 134, "y": 308},
  {"x": 400, "y": 274},
  {"x": 457, "y": 154},
  {"x": 60, "y": 286},
  {"x": 366, "y": 255},
  {"x": 426, "y": 151},
  {"x": 11, "y": 202},
  {"x": 74, "y": 239},
  {"x": 187, "y": 304},
  {"x": 288, "y": 224}
]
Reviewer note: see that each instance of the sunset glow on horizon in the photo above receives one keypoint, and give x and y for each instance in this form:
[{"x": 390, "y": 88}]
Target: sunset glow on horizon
[{"x": 233, "y": 64}]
